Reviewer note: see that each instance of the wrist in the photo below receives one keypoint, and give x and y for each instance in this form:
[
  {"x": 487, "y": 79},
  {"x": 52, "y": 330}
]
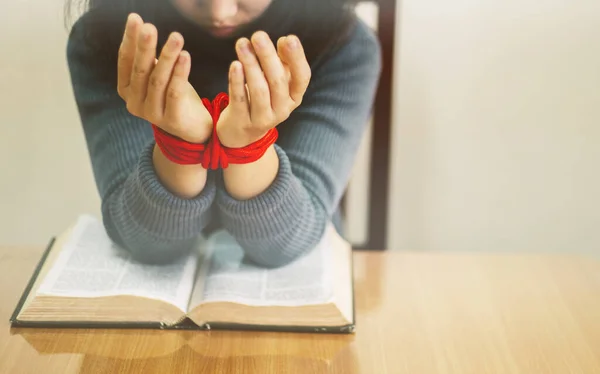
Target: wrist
[
  {"x": 234, "y": 137},
  {"x": 247, "y": 181},
  {"x": 198, "y": 134},
  {"x": 184, "y": 181},
  {"x": 200, "y": 137}
]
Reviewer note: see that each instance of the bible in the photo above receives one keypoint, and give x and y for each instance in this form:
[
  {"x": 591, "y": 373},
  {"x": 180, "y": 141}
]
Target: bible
[{"x": 85, "y": 280}]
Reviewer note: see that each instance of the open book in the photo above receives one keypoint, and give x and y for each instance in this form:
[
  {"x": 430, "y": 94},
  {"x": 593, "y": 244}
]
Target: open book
[{"x": 84, "y": 280}]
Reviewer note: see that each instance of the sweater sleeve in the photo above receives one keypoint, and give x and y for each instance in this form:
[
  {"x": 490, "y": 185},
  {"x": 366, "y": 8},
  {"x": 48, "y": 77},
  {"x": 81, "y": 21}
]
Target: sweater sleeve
[
  {"x": 138, "y": 212},
  {"x": 316, "y": 153}
]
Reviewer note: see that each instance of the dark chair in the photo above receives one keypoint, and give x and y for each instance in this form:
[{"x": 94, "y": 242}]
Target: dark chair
[{"x": 378, "y": 196}]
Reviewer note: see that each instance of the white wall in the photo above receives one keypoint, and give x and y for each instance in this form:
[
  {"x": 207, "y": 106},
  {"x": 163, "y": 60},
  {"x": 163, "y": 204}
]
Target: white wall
[
  {"x": 497, "y": 126},
  {"x": 45, "y": 177}
]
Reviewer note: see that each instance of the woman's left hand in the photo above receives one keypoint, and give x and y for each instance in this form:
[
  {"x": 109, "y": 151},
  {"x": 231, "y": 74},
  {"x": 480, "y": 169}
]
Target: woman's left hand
[{"x": 265, "y": 86}]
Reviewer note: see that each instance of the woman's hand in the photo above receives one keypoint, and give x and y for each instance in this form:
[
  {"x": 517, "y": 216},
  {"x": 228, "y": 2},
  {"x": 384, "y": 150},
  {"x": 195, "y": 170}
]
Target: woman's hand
[
  {"x": 275, "y": 82},
  {"x": 158, "y": 90}
]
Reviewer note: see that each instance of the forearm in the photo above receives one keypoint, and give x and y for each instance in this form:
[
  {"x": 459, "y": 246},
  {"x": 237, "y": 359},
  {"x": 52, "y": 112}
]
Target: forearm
[
  {"x": 184, "y": 181},
  {"x": 144, "y": 217},
  {"x": 246, "y": 181},
  {"x": 279, "y": 224}
]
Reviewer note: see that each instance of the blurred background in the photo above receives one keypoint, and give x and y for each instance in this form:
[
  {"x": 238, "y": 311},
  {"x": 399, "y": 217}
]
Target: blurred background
[{"x": 495, "y": 128}]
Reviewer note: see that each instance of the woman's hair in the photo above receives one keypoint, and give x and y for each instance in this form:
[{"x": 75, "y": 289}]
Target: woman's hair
[{"x": 321, "y": 25}]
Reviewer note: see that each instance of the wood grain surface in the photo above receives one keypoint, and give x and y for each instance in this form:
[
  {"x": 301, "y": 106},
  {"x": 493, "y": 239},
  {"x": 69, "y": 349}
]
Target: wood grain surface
[{"x": 416, "y": 313}]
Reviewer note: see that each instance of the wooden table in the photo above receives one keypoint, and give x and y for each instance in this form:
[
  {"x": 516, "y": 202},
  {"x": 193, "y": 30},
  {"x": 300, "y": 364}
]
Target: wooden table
[{"x": 417, "y": 313}]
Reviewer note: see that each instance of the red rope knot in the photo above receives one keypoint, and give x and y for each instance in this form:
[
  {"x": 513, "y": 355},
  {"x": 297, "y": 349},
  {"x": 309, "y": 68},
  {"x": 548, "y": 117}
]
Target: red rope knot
[{"x": 212, "y": 155}]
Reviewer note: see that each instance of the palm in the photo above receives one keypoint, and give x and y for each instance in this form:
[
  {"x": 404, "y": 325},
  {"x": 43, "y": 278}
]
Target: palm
[{"x": 190, "y": 116}]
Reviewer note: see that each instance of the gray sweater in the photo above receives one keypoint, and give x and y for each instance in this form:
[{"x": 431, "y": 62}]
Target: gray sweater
[{"x": 316, "y": 148}]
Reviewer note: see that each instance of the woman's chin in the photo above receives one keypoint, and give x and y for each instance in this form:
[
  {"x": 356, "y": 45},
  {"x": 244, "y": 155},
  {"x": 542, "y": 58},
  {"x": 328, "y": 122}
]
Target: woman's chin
[{"x": 222, "y": 32}]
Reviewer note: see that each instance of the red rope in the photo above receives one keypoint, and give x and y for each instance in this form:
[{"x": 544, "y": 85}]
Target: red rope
[
  {"x": 178, "y": 150},
  {"x": 212, "y": 155}
]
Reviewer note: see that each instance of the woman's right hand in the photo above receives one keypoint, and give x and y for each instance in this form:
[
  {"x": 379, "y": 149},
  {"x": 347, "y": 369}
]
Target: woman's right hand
[{"x": 158, "y": 90}]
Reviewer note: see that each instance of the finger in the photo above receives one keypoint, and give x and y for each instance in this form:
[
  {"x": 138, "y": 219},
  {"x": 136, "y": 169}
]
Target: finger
[
  {"x": 161, "y": 76},
  {"x": 143, "y": 63},
  {"x": 280, "y": 44},
  {"x": 179, "y": 80},
  {"x": 238, "y": 96},
  {"x": 293, "y": 56},
  {"x": 127, "y": 53},
  {"x": 281, "y": 53},
  {"x": 273, "y": 70},
  {"x": 260, "y": 97}
]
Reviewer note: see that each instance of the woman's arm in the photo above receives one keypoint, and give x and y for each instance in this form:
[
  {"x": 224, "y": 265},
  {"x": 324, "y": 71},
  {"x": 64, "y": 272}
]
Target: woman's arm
[
  {"x": 314, "y": 158},
  {"x": 244, "y": 182},
  {"x": 139, "y": 212},
  {"x": 159, "y": 91},
  {"x": 185, "y": 181}
]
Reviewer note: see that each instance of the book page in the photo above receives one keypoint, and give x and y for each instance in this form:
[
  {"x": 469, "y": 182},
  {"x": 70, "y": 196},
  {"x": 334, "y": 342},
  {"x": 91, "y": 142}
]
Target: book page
[
  {"x": 91, "y": 265},
  {"x": 232, "y": 278}
]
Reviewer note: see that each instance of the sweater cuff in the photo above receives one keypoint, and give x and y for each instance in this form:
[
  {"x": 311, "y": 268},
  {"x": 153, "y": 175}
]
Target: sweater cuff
[
  {"x": 161, "y": 212},
  {"x": 269, "y": 214}
]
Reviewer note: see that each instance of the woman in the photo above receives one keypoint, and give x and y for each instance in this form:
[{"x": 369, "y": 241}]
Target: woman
[{"x": 307, "y": 68}]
